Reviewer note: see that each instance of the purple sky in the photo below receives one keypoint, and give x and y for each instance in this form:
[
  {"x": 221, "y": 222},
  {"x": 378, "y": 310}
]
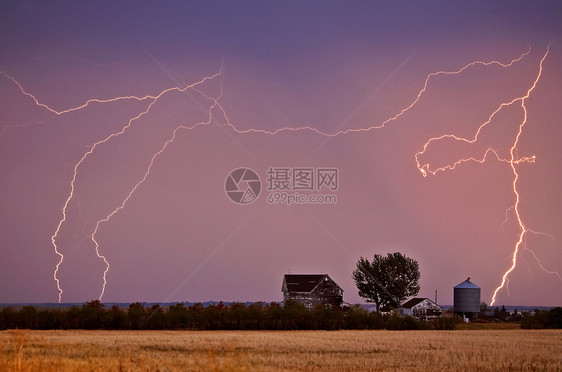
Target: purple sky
[{"x": 326, "y": 66}]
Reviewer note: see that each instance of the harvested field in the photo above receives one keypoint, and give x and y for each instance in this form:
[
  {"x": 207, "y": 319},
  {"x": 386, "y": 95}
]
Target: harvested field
[{"x": 467, "y": 350}]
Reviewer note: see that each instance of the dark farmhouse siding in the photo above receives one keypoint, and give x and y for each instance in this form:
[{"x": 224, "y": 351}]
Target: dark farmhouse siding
[{"x": 312, "y": 290}]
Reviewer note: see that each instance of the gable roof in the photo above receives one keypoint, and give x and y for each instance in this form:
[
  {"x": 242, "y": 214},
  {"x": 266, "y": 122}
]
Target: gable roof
[
  {"x": 304, "y": 282},
  {"x": 415, "y": 301}
]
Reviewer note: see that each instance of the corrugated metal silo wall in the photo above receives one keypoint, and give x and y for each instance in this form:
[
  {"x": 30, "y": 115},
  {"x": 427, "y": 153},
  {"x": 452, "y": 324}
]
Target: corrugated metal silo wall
[{"x": 466, "y": 300}]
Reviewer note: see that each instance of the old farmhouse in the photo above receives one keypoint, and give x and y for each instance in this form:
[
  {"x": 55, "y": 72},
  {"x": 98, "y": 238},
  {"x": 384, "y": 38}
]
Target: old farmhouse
[
  {"x": 312, "y": 289},
  {"x": 421, "y": 308}
]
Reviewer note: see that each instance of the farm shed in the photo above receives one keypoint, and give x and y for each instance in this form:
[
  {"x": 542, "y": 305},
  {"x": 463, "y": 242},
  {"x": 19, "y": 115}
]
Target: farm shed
[
  {"x": 312, "y": 289},
  {"x": 421, "y": 308}
]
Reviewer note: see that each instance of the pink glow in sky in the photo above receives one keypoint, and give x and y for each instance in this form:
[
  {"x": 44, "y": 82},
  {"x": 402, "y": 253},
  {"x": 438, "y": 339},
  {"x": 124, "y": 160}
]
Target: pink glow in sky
[{"x": 165, "y": 224}]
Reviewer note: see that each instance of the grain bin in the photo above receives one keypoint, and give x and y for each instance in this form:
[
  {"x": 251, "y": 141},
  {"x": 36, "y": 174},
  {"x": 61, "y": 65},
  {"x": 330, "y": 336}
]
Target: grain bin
[{"x": 466, "y": 299}]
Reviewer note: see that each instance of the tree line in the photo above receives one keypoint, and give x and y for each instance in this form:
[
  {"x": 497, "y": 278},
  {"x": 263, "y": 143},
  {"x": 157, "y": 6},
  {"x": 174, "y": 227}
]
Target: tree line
[
  {"x": 290, "y": 315},
  {"x": 543, "y": 319}
]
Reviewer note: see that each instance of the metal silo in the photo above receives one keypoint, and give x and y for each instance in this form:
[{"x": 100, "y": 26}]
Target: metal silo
[{"x": 466, "y": 298}]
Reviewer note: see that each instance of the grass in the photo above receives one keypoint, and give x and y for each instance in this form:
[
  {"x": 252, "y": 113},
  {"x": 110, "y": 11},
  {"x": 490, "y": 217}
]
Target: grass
[
  {"x": 467, "y": 350},
  {"x": 487, "y": 326}
]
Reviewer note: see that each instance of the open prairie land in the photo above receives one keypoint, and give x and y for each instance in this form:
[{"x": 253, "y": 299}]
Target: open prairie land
[{"x": 466, "y": 350}]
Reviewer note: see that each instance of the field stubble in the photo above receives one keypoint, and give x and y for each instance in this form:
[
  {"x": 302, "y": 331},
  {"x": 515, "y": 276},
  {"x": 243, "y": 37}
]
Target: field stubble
[{"x": 467, "y": 350}]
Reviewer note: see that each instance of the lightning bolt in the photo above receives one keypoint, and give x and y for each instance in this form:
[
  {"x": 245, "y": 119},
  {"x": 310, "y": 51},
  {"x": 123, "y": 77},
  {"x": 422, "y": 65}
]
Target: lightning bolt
[
  {"x": 516, "y": 177},
  {"x": 129, "y": 195},
  {"x": 425, "y": 168},
  {"x": 152, "y": 99},
  {"x": 551, "y": 272},
  {"x": 393, "y": 118},
  {"x": 79, "y": 107},
  {"x": 141, "y": 181},
  {"x": 513, "y": 161}
]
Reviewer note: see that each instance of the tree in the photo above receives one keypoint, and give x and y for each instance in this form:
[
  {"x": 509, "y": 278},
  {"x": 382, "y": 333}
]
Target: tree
[
  {"x": 136, "y": 315},
  {"x": 92, "y": 314},
  {"x": 29, "y": 317},
  {"x": 388, "y": 280},
  {"x": 555, "y": 317},
  {"x": 94, "y": 304}
]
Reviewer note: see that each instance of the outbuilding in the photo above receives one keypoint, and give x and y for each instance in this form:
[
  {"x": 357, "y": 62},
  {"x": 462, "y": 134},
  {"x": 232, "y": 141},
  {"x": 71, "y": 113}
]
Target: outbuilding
[{"x": 421, "y": 308}]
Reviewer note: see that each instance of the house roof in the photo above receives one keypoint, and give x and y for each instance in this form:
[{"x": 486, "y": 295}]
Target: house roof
[
  {"x": 467, "y": 284},
  {"x": 414, "y": 301},
  {"x": 304, "y": 282}
]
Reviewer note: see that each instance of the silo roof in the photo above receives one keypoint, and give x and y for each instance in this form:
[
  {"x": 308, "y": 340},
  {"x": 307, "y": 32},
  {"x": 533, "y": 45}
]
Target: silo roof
[{"x": 467, "y": 284}]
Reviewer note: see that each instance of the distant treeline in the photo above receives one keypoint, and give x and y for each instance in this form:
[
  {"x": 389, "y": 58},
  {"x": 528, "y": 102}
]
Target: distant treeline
[
  {"x": 235, "y": 316},
  {"x": 543, "y": 319}
]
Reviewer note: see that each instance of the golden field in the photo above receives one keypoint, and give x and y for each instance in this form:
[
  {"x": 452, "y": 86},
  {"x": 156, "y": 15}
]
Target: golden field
[{"x": 463, "y": 350}]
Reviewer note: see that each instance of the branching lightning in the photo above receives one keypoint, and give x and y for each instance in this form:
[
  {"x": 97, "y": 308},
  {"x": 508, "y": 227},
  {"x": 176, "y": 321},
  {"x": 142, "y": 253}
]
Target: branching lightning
[
  {"x": 425, "y": 169},
  {"x": 516, "y": 177},
  {"x": 513, "y": 161},
  {"x": 130, "y": 194},
  {"x": 79, "y": 107},
  {"x": 395, "y": 117},
  {"x": 526, "y": 248},
  {"x": 153, "y": 100}
]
